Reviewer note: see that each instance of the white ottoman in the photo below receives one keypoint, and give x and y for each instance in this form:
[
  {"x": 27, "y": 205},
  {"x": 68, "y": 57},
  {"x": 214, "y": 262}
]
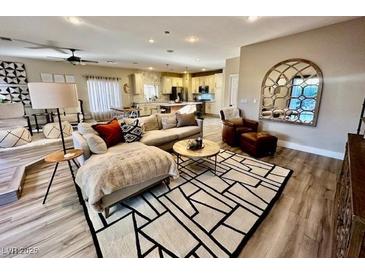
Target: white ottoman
[
  {"x": 14, "y": 137},
  {"x": 52, "y": 130}
]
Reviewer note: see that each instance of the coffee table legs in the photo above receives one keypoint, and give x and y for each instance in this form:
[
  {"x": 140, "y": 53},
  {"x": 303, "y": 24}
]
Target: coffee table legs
[
  {"x": 178, "y": 160},
  {"x": 51, "y": 181},
  {"x": 215, "y": 164}
]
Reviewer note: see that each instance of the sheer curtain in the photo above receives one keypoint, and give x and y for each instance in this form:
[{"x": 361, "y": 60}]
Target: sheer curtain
[{"x": 104, "y": 93}]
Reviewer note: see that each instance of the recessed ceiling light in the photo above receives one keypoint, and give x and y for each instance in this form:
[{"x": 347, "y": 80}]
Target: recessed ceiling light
[
  {"x": 74, "y": 20},
  {"x": 170, "y": 50},
  {"x": 204, "y": 69},
  {"x": 150, "y": 68},
  {"x": 197, "y": 59},
  {"x": 192, "y": 39},
  {"x": 151, "y": 41},
  {"x": 166, "y": 32},
  {"x": 252, "y": 18}
]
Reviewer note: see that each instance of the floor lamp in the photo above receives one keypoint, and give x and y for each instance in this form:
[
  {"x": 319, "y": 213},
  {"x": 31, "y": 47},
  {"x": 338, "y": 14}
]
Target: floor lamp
[
  {"x": 56, "y": 96},
  {"x": 53, "y": 95}
]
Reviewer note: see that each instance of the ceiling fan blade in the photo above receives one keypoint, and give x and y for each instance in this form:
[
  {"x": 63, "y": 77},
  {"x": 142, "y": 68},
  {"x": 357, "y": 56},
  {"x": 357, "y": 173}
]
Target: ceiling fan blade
[
  {"x": 37, "y": 47},
  {"x": 55, "y": 58},
  {"x": 6, "y": 39},
  {"x": 89, "y": 61}
]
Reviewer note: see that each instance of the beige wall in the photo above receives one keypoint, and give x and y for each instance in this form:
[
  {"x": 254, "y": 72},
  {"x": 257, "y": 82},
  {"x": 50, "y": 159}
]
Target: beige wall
[
  {"x": 232, "y": 66},
  {"x": 35, "y": 67},
  {"x": 339, "y": 50}
]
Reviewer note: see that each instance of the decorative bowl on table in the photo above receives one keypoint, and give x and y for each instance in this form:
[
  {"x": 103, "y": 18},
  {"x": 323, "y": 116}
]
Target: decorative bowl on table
[{"x": 195, "y": 144}]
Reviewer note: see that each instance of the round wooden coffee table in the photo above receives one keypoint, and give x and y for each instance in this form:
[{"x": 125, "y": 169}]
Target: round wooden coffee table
[{"x": 210, "y": 149}]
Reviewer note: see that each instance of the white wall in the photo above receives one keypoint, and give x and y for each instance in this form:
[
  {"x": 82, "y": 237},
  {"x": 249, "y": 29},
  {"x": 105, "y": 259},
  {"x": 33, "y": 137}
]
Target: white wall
[
  {"x": 232, "y": 66},
  {"x": 339, "y": 51},
  {"x": 35, "y": 67}
]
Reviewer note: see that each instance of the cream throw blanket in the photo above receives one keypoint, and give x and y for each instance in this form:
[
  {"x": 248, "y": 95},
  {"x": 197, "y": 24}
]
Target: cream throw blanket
[{"x": 135, "y": 163}]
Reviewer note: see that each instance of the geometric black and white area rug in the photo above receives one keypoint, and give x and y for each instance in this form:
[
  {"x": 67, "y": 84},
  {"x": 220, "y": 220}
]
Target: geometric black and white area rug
[{"x": 198, "y": 215}]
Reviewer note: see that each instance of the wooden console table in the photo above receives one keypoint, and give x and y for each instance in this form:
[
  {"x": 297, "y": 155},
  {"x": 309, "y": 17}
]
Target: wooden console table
[{"x": 349, "y": 229}]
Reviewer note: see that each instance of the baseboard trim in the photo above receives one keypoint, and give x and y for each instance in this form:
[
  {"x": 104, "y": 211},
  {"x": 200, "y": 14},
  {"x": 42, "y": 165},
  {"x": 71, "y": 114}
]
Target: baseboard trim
[{"x": 314, "y": 150}]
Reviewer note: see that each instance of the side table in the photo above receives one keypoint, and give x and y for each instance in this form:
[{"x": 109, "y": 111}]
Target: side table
[{"x": 58, "y": 157}]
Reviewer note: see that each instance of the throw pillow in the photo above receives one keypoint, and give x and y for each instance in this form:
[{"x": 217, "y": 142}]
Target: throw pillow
[
  {"x": 52, "y": 130},
  {"x": 132, "y": 132},
  {"x": 185, "y": 119},
  {"x": 86, "y": 128},
  {"x": 96, "y": 143},
  {"x": 111, "y": 132},
  {"x": 147, "y": 123},
  {"x": 168, "y": 121},
  {"x": 14, "y": 137}
]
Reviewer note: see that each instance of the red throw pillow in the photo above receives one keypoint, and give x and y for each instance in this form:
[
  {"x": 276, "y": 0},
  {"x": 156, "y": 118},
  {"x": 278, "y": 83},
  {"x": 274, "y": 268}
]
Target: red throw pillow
[{"x": 111, "y": 132}]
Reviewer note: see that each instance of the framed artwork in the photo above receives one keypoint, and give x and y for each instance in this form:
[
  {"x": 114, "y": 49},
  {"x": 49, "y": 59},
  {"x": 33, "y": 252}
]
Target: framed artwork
[
  {"x": 70, "y": 79},
  {"x": 59, "y": 78},
  {"x": 47, "y": 77}
]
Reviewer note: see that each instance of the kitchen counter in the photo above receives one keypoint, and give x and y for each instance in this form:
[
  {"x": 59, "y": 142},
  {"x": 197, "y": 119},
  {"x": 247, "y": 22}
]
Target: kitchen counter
[{"x": 179, "y": 104}]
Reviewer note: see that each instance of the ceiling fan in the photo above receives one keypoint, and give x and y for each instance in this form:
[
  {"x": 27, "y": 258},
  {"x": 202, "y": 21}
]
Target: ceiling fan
[
  {"x": 49, "y": 45},
  {"x": 76, "y": 60}
]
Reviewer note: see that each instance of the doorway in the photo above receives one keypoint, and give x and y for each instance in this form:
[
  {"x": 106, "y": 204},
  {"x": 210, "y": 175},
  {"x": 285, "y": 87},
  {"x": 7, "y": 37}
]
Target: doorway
[{"x": 233, "y": 90}]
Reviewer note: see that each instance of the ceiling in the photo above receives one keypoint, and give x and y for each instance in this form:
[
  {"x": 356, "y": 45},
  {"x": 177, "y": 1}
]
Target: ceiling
[{"x": 124, "y": 40}]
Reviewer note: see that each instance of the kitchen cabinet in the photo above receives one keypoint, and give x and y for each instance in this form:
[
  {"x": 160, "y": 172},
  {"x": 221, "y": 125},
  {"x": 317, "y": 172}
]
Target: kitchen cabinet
[
  {"x": 177, "y": 82},
  {"x": 146, "y": 109},
  {"x": 166, "y": 85},
  {"x": 168, "y": 82},
  {"x": 209, "y": 108},
  {"x": 194, "y": 85},
  {"x": 137, "y": 82}
]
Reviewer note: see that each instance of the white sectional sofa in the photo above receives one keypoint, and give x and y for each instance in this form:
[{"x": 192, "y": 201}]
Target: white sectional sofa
[{"x": 161, "y": 138}]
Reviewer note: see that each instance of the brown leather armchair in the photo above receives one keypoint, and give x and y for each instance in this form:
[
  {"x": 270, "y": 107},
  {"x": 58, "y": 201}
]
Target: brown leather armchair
[{"x": 234, "y": 127}]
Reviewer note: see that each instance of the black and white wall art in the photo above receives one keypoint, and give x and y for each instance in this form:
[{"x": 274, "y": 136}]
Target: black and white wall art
[{"x": 13, "y": 83}]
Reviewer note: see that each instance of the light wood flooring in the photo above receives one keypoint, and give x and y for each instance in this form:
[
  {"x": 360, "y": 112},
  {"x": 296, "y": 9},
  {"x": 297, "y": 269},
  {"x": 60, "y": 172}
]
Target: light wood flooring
[{"x": 299, "y": 225}]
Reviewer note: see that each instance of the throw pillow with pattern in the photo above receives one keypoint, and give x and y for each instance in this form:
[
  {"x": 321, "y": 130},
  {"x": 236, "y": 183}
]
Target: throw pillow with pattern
[{"x": 132, "y": 132}]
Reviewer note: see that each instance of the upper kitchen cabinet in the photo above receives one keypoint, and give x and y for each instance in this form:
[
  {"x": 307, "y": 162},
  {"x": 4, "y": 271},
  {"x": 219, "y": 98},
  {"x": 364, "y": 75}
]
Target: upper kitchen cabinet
[
  {"x": 177, "y": 82},
  {"x": 137, "y": 82},
  {"x": 166, "y": 85},
  {"x": 168, "y": 82},
  {"x": 194, "y": 85}
]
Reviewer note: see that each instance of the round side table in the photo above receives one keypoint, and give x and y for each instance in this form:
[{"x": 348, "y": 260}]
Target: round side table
[{"x": 58, "y": 157}]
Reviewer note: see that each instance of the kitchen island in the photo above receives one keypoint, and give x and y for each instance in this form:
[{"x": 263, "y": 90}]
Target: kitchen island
[{"x": 173, "y": 107}]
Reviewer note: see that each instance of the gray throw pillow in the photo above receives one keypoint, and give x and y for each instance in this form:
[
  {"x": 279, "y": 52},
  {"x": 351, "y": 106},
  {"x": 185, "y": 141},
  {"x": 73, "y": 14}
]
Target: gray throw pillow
[
  {"x": 86, "y": 128},
  {"x": 168, "y": 121},
  {"x": 184, "y": 120},
  {"x": 96, "y": 144}
]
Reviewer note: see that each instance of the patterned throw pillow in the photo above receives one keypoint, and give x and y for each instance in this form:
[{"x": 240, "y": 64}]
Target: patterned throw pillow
[
  {"x": 14, "y": 137},
  {"x": 52, "y": 130},
  {"x": 132, "y": 132}
]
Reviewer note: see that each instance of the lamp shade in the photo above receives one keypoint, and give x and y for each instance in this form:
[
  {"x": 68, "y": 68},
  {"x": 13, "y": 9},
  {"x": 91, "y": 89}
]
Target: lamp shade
[{"x": 53, "y": 95}]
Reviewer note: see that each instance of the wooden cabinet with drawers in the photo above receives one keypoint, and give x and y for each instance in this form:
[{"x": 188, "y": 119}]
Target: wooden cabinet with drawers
[{"x": 349, "y": 208}]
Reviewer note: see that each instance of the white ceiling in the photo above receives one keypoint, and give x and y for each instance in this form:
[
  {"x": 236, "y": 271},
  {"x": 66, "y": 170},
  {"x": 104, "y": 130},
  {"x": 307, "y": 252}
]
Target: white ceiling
[{"x": 125, "y": 39}]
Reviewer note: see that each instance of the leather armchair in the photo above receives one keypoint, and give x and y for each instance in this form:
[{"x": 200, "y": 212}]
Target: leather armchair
[{"x": 234, "y": 127}]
